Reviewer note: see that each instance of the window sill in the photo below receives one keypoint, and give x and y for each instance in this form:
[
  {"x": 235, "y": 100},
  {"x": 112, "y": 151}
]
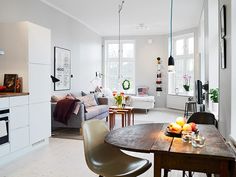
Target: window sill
[{"x": 187, "y": 94}]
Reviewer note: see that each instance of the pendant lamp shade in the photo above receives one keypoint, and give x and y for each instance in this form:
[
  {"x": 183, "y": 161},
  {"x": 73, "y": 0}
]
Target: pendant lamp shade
[{"x": 171, "y": 62}]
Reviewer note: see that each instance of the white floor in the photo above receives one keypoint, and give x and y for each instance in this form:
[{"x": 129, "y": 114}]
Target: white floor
[{"x": 65, "y": 158}]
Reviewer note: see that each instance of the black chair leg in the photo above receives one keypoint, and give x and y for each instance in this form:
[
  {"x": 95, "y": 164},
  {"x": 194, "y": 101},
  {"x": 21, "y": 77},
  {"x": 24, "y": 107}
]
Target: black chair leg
[
  {"x": 183, "y": 173},
  {"x": 190, "y": 174},
  {"x": 208, "y": 175},
  {"x": 166, "y": 172},
  {"x": 100, "y": 176}
]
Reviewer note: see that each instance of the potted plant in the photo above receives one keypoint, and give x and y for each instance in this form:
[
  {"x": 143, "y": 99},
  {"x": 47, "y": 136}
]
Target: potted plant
[
  {"x": 214, "y": 96},
  {"x": 186, "y": 84}
]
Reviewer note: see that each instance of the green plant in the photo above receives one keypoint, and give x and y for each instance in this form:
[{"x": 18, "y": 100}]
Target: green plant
[
  {"x": 118, "y": 99},
  {"x": 214, "y": 95}
]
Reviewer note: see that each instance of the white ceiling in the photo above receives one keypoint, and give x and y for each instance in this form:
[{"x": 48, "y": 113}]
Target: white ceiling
[{"x": 102, "y": 15}]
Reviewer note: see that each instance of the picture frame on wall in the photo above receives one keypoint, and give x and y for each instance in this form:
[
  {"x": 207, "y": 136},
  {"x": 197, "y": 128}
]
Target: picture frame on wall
[
  {"x": 223, "y": 21},
  {"x": 10, "y": 82},
  {"x": 223, "y": 53},
  {"x": 62, "y": 68}
]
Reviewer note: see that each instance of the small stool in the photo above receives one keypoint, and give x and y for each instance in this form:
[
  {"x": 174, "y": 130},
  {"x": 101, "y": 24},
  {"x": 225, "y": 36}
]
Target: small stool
[{"x": 190, "y": 107}]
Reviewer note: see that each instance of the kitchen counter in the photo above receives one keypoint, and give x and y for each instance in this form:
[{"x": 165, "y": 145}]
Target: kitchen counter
[{"x": 11, "y": 94}]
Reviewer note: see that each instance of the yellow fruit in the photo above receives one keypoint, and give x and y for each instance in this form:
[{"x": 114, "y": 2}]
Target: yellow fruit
[
  {"x": 181, "y": 121},
  {"x": 187, "y": 127},
  {"x": 175, "y": 128}
]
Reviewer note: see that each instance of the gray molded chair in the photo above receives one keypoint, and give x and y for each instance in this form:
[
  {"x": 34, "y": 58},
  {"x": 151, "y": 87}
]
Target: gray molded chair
[
  {"x": 106, "y": 160},
  {"x": 202, "y": 118}
]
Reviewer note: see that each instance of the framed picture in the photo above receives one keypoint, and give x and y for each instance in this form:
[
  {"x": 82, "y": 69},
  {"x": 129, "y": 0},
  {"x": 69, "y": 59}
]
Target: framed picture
[
  {"x": 19, "y": 85},
  {"x": 223, "y": 53},
  {"x": 62, "y": 68},
  {"x": 223, "y": 21},
  {"x": 10, "y": 82}
]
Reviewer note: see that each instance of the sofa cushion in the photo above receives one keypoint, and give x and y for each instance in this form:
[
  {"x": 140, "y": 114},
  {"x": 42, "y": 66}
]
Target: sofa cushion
[
  {"x": 88, "y": 100},
  {"x": 95, "y": 111}
]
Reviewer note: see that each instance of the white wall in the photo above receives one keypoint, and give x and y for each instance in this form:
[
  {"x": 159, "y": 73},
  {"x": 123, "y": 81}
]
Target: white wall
[
  {"x": 225, "y": 79},
  {"x": 146, "y": 66},
  {"x": 233, "y": 73},
  {"x": 85, "y": 45}
]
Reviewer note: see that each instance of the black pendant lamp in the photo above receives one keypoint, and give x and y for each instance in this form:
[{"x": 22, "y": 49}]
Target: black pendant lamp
[{"x": 171, "y": 62}]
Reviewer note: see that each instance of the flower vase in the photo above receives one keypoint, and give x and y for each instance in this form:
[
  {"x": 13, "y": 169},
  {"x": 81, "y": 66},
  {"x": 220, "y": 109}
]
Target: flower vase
[{"x": 186, "y": 87}]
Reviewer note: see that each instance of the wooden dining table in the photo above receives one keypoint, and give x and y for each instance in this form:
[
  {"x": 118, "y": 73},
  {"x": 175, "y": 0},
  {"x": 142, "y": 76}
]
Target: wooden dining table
[{"x": 215, "y": 157}]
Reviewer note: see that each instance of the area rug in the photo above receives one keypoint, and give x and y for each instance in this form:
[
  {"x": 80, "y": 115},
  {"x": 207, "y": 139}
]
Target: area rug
[{"x": 67, "y": 133}]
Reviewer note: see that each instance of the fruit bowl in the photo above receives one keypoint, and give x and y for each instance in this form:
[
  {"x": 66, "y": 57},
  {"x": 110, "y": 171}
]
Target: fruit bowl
[{"x": 170, "y": 133}]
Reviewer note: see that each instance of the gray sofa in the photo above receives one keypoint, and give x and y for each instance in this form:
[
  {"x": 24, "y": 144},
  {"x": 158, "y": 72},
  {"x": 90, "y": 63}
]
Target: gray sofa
[{"x": 100, "y": 111}]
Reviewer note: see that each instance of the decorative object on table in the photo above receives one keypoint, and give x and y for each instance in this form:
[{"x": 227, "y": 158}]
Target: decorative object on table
[
  {"x": 171, "y": 62},
  {"x": 19, "y": 83},
  {"x": 198, "y": 140},
  {"x": 214, "y": 96},
  {"x": 126, "y": 84},
  {"x": 180, "y": 128},
  {"x": 118, "y": 99},
  {"x": 62, "y": 68},
  {"x": 159, "y": 79},
  {"x": 186, "y": 85},
  {"x": 2, "y": 88},
  {"x": 223, "y": 53},
  {"x": 10, "y": 82},
  {"x": 223, "y": 21}
]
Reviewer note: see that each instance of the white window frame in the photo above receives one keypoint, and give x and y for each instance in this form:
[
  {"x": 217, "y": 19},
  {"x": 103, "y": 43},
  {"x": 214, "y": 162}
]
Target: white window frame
[
  {"x": 107, "y": 42},
  {"x": 184, "y": 57}
]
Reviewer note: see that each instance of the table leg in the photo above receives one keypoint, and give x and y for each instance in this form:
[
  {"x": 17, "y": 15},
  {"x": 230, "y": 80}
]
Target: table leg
[
  {"x": 123, "y": 119},
  {"x": 132, "y": 116},
  {"x": 157, "y": 166},
  {"x": 224, "y": 169}
]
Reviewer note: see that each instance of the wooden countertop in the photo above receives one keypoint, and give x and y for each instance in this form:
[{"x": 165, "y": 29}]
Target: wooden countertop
[{"x": 10, "y": 94}]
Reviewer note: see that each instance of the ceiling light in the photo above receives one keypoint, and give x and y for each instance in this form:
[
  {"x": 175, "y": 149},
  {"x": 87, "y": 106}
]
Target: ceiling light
[{"x": 171, "y": 62}]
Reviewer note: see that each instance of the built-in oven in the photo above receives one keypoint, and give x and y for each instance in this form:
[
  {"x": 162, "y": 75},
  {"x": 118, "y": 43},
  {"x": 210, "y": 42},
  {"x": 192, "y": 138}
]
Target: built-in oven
[{"x": 4, "y": 126}]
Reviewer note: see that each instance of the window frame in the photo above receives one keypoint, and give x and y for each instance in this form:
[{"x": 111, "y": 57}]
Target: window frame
[
  {"x": 122, "y": 60},
  {"x": 185, "y": 57}
]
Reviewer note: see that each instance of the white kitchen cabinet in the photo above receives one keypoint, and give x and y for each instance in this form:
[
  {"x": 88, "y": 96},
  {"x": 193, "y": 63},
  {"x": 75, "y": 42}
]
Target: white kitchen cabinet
[
  {"x": 39, "y": 39},
  {"x": 19, "y": 138},
  {"x": 4, "y": 149},
  {"x": 4, "y": 103},
  {"x": 19, "y": 117},
  {"x": 19, "y": 100},
  {"x": 39, "y": 83},
  {"x": 40, "y": 122}
]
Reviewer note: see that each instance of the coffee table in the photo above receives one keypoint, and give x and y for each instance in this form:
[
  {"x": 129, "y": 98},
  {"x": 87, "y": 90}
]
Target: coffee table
[{"x": 129, "y": 113}]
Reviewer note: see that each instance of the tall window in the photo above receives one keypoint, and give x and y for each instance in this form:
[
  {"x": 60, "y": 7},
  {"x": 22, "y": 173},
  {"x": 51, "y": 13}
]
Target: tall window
[
  {"x": 183, "y": 53},
  {"x": 126, "y": 65}
]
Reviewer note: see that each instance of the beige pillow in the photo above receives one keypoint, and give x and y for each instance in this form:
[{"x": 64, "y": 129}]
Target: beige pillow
[
  {"x": 55, "y": 98},
  {"x": 89, "y": 100}
]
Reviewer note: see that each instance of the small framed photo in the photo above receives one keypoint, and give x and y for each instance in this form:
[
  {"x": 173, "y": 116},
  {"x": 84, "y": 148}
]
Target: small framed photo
[
  {"x": 19, "y": 85},
  {"x": 223, "y": 53},
  {"x": 223, "y": 21},
  {"x": 10, "y": 82}
]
